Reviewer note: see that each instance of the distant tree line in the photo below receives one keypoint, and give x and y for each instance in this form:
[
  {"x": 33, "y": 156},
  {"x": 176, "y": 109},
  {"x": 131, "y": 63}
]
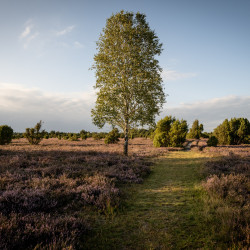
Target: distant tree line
[{"x": 168, "y": 132}]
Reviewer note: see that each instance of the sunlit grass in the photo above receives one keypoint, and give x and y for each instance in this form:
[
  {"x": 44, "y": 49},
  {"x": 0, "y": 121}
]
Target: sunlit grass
[{"x": 165, "y": 212}]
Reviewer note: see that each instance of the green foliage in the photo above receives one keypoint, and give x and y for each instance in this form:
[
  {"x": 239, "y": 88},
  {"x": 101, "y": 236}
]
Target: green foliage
[
  {"x": 141, "y": 132},
  {"x": 33, "y": 135},
  {"x": 73, "y": 137},
  {"x": 83, "y": 134},
  {"x": 212, "y": 141},
  {"x": 17, "y": 135},
  {"x": 161, "y": 139},
  {"x": 233, "y": 132},
  {"x": 170, "y": 132},
  {"x": 112, "y": 137},
  {"x": 178, "y": 133},
  {"x": 206, "y": 134},
  {"x": 122, "y": 135},
  {"x": 46, "y": 136},
  {"x": 6, "y": 134},
  {"x": 98, "y": 136},
  {"x": 128, "y": 76},
  {"x": 196, "y": 131},
  {"x": 52, "y": 134}
]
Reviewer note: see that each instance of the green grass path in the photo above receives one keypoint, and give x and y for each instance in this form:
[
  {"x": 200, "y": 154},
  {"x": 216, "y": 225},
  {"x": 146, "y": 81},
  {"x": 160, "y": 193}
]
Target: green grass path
[{"x": 165, "y": 212}]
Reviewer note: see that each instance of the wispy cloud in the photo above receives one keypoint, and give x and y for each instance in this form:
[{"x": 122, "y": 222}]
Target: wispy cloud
[
  {"x": 28, "y": 33},
  {"x": 211, "y": 112},
  {"x": 65, "y": 31},
  {"x": 172, "y": 75}
]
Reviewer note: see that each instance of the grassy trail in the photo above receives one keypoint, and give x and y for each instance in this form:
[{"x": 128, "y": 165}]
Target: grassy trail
[{"x": 165, "y": 212}]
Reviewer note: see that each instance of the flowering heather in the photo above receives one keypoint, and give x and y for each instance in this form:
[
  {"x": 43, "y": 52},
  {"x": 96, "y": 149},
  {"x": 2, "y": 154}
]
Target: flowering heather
[
  {"x": 40, "y": 230},
  {"x": 241, "y": 150},
  {"x": 232, "y": 164},
  {"x": 45, "y": 188},
  {"x": 229, "y": 197}
]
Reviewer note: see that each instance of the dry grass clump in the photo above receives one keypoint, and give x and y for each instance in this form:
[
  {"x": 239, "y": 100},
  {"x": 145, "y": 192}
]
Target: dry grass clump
[
  {"x": 228, "y": 187},
  {"x": 45, "y": 188}
]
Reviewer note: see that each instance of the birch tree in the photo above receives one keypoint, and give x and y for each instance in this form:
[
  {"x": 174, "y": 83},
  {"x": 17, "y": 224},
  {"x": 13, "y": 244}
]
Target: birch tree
[{"x": 128, "y": 75}]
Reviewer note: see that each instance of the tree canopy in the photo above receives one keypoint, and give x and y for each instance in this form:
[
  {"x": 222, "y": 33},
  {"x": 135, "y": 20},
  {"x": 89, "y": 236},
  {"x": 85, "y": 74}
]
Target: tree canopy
[
  {"x": 170, "y": 132},
  {"x": 233, "y": 132},
  {"x": 196, "y": 131},
  {"x": 128, "y": 75}
]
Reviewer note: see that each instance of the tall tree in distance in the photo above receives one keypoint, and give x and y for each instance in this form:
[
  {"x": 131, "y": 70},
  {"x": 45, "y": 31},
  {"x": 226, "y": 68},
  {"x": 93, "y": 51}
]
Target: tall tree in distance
[
  {"x": 196, "y": 131},
  {"x": 128, "y": 76}
]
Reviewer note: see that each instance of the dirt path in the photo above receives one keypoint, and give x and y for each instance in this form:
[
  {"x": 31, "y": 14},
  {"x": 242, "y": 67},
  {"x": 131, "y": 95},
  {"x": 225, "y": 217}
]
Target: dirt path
[{"x": 165, "y": 212}]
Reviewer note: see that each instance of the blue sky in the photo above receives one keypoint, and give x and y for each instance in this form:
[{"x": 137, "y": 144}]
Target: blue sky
[{"x": 47, "y": 48}]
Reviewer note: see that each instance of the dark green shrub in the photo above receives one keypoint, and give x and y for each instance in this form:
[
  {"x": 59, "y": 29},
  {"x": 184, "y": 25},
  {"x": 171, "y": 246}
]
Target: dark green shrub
[
  {"x": 212, "y": 141},
  {"x": 52, "y": 134},
  {"x": 46, "y": 136},
  {"x": 65, "y": 137},
  {"x": 122, "y": 135},
  {"x": 112, "y": 137},
  {"x": 6, "y": 134},
  {"x": 17, "y": 135},
  {"x": 161, "y": 139},
  {"x": 206, "y": 135},
  {"x": 33, "y": 135},
  {"x": 73, "y": 137},
  {"x": 170, "y": 132},
  {"x": 98, "y": 136},
  {"x": 83, "y": 134}
]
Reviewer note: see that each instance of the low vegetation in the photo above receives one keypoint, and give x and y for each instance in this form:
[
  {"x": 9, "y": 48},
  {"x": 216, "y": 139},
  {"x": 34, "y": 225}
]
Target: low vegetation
[
  {"x": 34, "y": 135},
  {"x": 77, "y": 190},
  {"x": 46, "y": 190},
  {"x": 228, "y": 202}
]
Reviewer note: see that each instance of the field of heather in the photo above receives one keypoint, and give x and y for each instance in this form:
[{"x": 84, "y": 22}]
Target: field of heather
[
  {"x": 45, "y": 188},
  {"x": 70, "y": 194}
]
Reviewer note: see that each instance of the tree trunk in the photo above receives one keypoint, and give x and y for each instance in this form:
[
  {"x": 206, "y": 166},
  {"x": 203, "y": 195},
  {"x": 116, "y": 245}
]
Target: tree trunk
[{"x": 125, "y": 151}]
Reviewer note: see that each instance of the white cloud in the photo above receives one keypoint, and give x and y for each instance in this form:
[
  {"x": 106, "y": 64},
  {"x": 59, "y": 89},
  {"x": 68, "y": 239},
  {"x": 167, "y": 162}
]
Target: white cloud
[
  {"x": 211, "y": 112},
  {"x": 65, "y": 31},
  {"x": 22, "y": 107},
  {"x": 172, "y": 75}
]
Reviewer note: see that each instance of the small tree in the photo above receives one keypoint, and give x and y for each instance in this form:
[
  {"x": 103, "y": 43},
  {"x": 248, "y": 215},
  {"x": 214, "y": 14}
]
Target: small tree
[
  {"x": 128, "y": 76},
  {"x": 196, "y": 131},
  {"x": 6, "y": 134},
  {"x": 34, "y": 135}
]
